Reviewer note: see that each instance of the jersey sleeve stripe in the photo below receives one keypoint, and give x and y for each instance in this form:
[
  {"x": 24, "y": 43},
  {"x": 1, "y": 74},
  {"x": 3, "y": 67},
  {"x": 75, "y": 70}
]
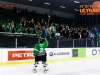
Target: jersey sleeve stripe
[{"x": 35, "y": 50}]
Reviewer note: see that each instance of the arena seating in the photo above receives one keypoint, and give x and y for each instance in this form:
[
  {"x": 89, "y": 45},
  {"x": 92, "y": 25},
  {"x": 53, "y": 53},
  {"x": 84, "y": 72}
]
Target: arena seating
[{"x": 9, "y": 16}]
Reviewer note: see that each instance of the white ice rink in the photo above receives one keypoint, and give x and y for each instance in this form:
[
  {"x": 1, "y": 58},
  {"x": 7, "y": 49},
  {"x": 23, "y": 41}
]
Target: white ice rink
[{"x": 75, "y": 67}]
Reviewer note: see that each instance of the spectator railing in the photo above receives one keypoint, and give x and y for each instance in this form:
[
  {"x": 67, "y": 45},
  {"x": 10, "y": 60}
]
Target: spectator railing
[
  {"x": 9, "y": 33},
  {"x": 17, "y": 40}
]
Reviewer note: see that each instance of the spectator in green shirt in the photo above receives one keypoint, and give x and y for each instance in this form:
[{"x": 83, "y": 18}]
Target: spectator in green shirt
[
  {"x": 20, "y": 28},
  {"x": 9, "y": 27}
]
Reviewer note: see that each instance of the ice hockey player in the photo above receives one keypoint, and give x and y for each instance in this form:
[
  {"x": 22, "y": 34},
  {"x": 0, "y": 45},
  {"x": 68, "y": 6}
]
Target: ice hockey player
[{"x": 40, "y": 54}]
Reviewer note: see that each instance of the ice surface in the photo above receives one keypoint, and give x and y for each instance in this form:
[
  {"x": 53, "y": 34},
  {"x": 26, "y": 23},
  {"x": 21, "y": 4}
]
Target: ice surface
[{"x": 75, "y": 67}]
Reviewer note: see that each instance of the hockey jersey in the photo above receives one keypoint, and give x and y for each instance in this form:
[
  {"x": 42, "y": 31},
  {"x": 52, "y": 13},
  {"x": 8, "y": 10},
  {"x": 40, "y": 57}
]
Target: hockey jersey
[{"x": 39, "y": 48}]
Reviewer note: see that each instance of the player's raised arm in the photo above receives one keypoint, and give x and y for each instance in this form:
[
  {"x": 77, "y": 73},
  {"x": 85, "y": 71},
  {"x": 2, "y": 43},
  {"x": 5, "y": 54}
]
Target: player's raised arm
[{"x": 46, "y": 43}]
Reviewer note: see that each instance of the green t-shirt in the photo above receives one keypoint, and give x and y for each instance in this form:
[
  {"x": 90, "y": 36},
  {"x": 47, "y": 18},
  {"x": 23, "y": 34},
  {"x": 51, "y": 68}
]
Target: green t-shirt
[
  {"x": 5, "y": 28},
  {"x": 49, "y": 33},
  {"x": 40, "y": 48},
  {"x": 20, "y": 29},
  {"x": 54, "y": 30},
  {"x": 32, "y": 30},
  {"x": 8, "y": 28}
]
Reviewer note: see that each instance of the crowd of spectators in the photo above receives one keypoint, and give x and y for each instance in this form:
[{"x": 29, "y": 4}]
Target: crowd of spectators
[{"x": 43, "y": 28}]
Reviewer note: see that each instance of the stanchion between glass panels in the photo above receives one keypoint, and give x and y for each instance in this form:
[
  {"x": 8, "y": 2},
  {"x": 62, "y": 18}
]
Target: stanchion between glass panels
[
  {"x": 73, "y": 43},
  {"x": 16, "y": 43},
  {"x": 57, "y": 43}
]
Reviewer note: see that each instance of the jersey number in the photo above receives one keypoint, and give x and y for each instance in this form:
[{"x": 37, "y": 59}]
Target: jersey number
[{"x": 41, "y": 49}]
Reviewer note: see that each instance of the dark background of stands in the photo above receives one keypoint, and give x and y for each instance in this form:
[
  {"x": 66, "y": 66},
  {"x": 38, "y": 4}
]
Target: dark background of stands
[
  {"x": 29, "y": 42},
  {"x": 54, "y": 4}
]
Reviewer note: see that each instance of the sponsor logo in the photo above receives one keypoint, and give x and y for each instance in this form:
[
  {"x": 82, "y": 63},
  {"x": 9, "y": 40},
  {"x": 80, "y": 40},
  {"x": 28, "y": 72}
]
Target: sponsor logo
[
  {"x": 80, "y": 52},
  {"x": 61, "y": 53},
  {"x": 9, "y": 5},
  {"x": 58, "y": 53},
  {"x": 75, "y": 53},
  {"x": 93, "y": 9},
  {"x": 51, "y": 53},
  {"x": 20, "y": 55},
  {"x": 96, "y": 52}
]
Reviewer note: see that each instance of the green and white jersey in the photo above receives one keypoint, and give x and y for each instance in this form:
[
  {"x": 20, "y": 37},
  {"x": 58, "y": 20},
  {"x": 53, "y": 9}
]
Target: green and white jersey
[{"x": 40, "y": 48}]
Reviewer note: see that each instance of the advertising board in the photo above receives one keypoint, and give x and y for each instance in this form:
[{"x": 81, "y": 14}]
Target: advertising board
[
  {"x": 0, "y": 56},
  {"x": 16, "y": 54},
  {"x": 92, "y": 52},
  {"x": 93, "y": 9},
  {"x": 59, "y": 53},
  {"x": 26, "y": 54},
  {"x": 20, "y": 55},
  {"x": 79, "y": 52}
]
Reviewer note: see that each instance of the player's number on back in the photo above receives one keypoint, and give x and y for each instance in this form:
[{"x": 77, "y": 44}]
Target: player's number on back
[{"x": 41, "y": 49}]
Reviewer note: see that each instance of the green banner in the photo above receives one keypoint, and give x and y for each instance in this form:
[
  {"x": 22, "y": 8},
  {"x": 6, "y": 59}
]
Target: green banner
[{"x": 79, "y": 52}]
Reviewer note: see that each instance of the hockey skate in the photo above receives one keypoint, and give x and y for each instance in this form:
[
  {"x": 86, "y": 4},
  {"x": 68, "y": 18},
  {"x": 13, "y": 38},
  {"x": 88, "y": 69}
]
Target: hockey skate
[
  {"x": 34, "y": 70},
  {"x": 46, "y": 70}
]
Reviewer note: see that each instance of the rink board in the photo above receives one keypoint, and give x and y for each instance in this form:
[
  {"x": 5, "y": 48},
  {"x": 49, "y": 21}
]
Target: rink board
[
  {"x": 93, "y": 51},
  {"x": 49, "y": 61},
  {"x": 13, "y": 56},
  {"x": 25, "y": 55}
]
